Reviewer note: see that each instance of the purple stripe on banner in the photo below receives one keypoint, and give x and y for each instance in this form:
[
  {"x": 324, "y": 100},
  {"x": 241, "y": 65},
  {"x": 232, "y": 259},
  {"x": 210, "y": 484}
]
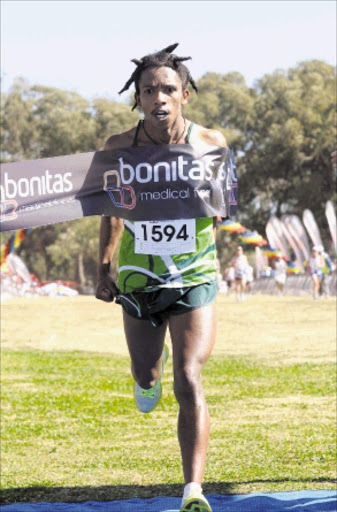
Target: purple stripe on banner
[{"x": 163, "y": 182}]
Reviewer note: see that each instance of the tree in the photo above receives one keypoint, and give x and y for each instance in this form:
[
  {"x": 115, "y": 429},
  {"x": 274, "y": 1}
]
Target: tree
[
  {"x": 34, "y": 250},
  {"x": 19, "y": 133},
  {"x": 224, "y": 103},
  {"x": 64, "y": 122},
  {"x": 286, "y": 167},
  {"x": 110, "y": 118},
  {"x": 74, "y": 253}
]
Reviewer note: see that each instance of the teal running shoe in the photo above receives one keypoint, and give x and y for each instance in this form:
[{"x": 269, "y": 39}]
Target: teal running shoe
[
  {"x": 147, "y": 399},
  {"x": 195, "y": 503}
]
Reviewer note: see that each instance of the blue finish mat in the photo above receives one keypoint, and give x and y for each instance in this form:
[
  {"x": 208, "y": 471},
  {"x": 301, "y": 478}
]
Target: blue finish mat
[{"x": 295, "y": 501}]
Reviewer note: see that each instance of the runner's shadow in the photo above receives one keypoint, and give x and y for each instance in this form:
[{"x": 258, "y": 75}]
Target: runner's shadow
[{"x": 36, "y": 494}]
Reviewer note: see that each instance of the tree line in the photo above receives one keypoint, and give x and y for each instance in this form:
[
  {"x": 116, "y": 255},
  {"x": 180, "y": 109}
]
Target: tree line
[{"x": 282, "y": 130}]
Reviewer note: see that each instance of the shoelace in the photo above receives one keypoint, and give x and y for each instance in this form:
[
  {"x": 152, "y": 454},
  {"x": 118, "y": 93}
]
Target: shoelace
[{"x": 150, "y": 393}]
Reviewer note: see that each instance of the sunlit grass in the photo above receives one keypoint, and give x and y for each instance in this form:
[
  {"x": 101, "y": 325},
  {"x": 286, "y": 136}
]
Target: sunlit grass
[
  {"x": 69, "y": 420},
  {"x": 71, "y": 432}
]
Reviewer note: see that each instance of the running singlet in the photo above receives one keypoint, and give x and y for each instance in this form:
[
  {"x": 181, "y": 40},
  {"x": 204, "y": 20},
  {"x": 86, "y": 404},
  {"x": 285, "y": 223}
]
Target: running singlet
[
  {"x": 240, "y": 267},
  {"x": 149, "y": 272},
  {"x": 316, "y": 265}
]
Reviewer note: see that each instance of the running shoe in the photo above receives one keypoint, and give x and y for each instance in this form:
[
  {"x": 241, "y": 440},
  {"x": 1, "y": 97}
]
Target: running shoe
[
  {"x": 147, "y": 399},
  {"x": 195, "y": 503}
]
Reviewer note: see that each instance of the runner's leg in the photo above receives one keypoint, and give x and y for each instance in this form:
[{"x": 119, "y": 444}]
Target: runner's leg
[
  {"x": 243, "y": 288},
  {"x": 193, "y": 336},
  {"x": 315, "y": 282},
  {"x": 145, "y": 344},
  {"x": 237, "y": 288}
]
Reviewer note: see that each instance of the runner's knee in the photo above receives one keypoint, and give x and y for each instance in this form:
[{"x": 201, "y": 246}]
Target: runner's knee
[{"x": 187, "y": 385}]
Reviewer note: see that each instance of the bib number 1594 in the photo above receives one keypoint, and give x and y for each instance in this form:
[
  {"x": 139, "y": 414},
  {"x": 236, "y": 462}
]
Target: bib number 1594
[{"x": 165, "y": 237}]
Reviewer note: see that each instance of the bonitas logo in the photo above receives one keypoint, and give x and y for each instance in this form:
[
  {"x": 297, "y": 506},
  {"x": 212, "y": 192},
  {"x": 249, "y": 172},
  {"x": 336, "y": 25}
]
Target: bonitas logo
[
  {"x": 47, "y": 184},
  {"x": 179, "y": 169}
]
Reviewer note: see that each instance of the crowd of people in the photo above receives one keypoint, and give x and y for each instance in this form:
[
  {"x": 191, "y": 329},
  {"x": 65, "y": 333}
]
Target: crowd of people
[{"x": 237, "y": 277}]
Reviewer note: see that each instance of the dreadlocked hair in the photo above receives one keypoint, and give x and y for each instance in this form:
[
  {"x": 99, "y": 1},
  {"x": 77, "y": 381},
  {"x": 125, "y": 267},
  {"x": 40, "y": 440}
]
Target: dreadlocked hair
[{"x": 163, "y": 58}]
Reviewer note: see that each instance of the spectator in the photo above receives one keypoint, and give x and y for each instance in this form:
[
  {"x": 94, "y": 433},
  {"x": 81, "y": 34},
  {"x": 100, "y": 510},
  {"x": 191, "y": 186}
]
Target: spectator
[
  {"x": 316, "y": 264},
  {"x": 240, "y": 264},
  {"x": 326, "y": 270},
  {"x": 280, "y": 274},
  {"x": 230, "y": 278}
]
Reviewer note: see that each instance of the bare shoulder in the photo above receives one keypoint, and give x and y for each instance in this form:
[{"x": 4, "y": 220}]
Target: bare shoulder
[
  {"x": 120, "y": 140},
  {"x": 208, "y": 136},
  {"x": 214, "y": 137}
]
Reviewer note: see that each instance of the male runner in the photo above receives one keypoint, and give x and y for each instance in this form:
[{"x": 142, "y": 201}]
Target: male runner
[{"x": 185, "y": 304}]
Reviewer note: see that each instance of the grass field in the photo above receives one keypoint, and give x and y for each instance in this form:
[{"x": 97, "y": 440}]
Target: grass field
[{"x": 70, "y": 430}]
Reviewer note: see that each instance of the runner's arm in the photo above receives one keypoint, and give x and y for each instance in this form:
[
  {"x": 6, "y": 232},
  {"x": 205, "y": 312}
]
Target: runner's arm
[{"x": 110, "y": 234}]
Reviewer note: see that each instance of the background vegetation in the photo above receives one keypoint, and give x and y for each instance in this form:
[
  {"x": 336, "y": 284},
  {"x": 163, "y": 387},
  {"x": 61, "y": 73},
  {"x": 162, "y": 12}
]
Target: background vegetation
[{"x": 282, "y": 131}]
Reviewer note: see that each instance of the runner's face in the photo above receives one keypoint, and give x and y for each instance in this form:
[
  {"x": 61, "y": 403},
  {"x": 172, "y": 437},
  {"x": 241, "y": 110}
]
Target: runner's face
[{"x": 161, "y": 96}]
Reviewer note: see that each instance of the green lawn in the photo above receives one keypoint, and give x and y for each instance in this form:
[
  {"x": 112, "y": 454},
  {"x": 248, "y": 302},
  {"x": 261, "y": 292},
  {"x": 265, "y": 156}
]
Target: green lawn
[{"x": 70, "y": 429}]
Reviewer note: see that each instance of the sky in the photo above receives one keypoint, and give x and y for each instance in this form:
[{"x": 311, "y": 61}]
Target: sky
[{"x": 87, "y": 45}]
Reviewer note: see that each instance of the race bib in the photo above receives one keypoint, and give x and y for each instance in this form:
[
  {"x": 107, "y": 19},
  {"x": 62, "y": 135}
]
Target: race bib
[{"x": 166, "y": 237}]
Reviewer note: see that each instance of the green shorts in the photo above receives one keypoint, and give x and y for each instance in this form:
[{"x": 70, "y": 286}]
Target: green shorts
[{"x": 159, "y": 305}]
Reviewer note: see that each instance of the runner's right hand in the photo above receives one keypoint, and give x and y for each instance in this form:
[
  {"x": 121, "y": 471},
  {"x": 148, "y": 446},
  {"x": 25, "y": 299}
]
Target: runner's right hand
[{"x": 106, "y": 289}]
